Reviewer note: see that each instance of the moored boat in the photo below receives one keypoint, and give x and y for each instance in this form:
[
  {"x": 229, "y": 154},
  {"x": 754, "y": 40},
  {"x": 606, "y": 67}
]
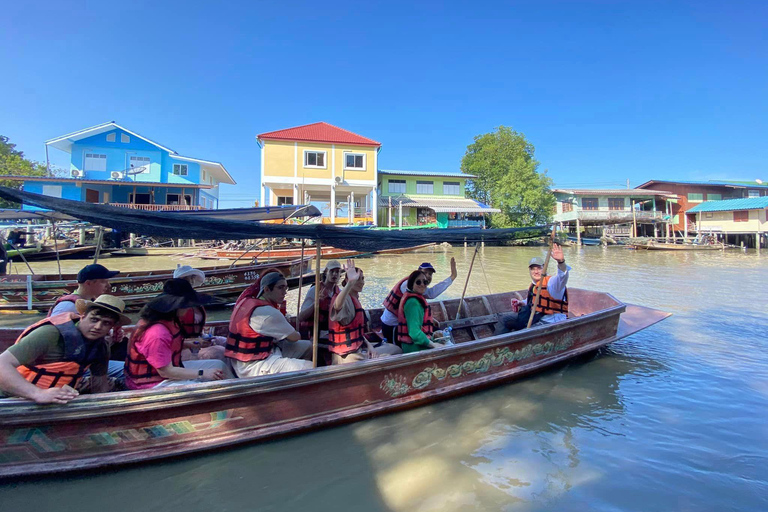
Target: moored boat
[
  {"x": 133, "y": 426},
  {"x": 39, "y": 291},
  {"x": 290, "y": 253}
]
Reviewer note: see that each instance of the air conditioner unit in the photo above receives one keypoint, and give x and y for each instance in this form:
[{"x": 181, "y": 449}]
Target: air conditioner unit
[
  {"x": 116, "y": 175},
  {"x": 76, "y": 173},
  {"x": 339, "y": 180}
]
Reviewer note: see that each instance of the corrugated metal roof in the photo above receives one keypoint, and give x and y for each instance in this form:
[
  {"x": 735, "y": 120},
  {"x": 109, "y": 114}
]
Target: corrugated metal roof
[
  {"x": 727, "y": 205},
  {"x": 319, "y": 132},
  {"x": 613, "y": 192},
  {"x": 711, "y": 183},
  {"x": 439, "y": 205},
  {"x": 426, "y": 173}
]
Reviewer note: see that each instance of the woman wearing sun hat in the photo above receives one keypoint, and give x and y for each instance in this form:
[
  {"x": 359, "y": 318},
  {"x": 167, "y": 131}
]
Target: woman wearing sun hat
[{"x": 154, "y": 350}]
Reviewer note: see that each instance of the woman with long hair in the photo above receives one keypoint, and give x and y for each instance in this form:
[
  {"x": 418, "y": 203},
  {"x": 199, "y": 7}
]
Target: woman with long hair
[{"x": 414, "y": 316}]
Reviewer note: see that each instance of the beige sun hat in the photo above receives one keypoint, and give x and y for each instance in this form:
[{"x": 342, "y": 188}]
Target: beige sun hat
[
  {"x": 194, "y": 276},
  {"x": 107, "y": 302}
]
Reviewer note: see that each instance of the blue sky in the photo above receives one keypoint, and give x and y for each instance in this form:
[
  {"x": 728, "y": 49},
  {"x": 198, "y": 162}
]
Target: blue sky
[{"x": 605, "y": 90}]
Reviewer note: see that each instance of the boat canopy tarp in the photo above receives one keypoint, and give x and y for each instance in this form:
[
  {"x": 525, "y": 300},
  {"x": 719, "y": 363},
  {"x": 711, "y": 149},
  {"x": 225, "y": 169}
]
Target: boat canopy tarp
[
  {"x": 178, "y": 225},
  {"x": 10, "y": 214},
  {"x": 257, "y": 214}
]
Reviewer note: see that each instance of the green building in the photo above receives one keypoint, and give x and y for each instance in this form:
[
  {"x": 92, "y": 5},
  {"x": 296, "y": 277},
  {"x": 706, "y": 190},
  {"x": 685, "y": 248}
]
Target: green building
[{"x": 429, "y": 199}]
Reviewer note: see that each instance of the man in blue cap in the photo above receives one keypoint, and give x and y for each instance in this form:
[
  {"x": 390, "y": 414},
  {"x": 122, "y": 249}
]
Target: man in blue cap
[
  {"x": 392, "y": 302},
  {"x": 92, "y": 281}
]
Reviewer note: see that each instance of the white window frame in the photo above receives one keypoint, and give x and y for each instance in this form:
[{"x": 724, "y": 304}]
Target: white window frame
[
  {"x": 180, "y": 166},
  {"x": 91, "y": 157},
  {"x": 753, "y": 193},
  {"x": 125, "y": 139},
  {"x": 52, "y": 190},
  {"x": 285, "y": 200},
  {"x": 350, "y": 153},
  {"x": 424, "y": 183},
  {"x": 325, "y": 159},
  {"x": 400, "y": 184},
  {"x": 140, "y": 158},
  {"x": 456, "y": 184},
  {"x": 111, "y": 137}
]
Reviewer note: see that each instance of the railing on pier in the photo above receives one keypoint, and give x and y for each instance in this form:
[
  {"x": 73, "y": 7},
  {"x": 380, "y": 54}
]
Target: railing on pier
[{"x": 159, "y": 207}]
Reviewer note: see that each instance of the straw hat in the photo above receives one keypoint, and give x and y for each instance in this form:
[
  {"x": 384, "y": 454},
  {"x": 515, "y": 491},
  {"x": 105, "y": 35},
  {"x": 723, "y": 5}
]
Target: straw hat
[{"x": 106, "y": 302}]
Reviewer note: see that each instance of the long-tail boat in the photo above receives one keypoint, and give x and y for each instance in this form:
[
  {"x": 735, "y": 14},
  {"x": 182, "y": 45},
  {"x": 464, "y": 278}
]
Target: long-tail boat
[
  {"x": 104, "y": 430},
  {"x": 290, "y": 253},
  {"x": 39, "y": 291}
]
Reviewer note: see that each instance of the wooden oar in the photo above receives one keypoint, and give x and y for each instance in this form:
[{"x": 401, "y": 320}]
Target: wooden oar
[
  {"x": 543, "y": 273},
  {"x": 301, "y": 281},
  {"x": 3, "y": 240},
  {"x": 99, "y": 238},
  {"x": 315, "y": 324},
  {"x": 466, "y": 283}
]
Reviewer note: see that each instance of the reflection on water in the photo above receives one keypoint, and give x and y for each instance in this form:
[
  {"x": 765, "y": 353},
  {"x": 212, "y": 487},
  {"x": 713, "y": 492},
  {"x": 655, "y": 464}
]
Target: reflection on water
[{"x": 672, "y": 418}]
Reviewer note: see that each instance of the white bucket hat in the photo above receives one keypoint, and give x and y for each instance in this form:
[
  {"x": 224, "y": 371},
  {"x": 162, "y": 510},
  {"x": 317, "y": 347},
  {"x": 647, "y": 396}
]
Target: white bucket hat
[{"x": 194, "y": 276}]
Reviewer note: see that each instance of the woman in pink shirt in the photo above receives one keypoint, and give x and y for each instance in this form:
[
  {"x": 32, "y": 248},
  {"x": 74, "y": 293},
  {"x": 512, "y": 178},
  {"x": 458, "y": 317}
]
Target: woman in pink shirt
[{"x": 154, "y": 350}]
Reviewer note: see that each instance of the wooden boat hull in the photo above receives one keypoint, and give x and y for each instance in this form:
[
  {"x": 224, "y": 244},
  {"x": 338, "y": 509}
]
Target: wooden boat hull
[
  {"x": 282, "y": 254},
  {"x": 137, "y": 287},
  {"x": 128, "y": 427},
  {"x": 71, "y": 253}
]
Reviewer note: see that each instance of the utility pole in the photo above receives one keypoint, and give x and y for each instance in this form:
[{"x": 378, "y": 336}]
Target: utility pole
[{"x": 627, "y": 183}]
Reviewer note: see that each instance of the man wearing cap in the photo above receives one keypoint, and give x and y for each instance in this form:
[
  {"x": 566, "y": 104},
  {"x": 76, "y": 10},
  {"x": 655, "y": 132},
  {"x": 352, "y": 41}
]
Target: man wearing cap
[
  {"x": 392, "y": 302},
  {"x": 261, "y": 341},
  {"x": 328, "y": 288},
  {"x": 553, "y": 301},
  {"x": 92, "y": 281},
  {"x": 50, "y": 357}
]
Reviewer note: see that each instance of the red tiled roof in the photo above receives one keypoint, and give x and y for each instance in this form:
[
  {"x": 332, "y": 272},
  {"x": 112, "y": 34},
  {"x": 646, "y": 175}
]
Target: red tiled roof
[{"x": 319, "y": 132}]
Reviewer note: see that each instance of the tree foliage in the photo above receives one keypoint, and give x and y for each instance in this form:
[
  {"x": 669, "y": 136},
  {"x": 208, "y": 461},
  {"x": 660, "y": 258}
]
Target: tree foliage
[
  {"x": 14, "y": 163},
  {"x": 507, "y": 179}
]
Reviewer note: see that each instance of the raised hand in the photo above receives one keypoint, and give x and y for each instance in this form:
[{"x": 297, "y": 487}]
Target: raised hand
[
  {"x": 60, "y": 395},
  {"x": 557, "y": 253},
  {"x": 454, "y": 272},
  {"x": 352, "y": 273}
]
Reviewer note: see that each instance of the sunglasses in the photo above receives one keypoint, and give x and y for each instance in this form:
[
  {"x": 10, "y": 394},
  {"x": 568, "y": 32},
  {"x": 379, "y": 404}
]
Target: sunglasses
[{"x": 419, "y": 281}]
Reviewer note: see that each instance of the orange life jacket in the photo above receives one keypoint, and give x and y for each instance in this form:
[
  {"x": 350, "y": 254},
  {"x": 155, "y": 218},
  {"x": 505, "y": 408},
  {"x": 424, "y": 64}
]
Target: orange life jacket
[
  {"x": 394, "y": 298},
  {"x": 64, "y": 298},
  {"x": 79, "y": 354},
  {"x": 243, "y": 343},
  {"x": 344, "y": 339},
  {"x": 324, "y": 311},
  {"x": 138, "y": 369},
  {"x": 190, "y": 328},
  {"x": 547, "y": 304},
  {"x": 402, "y": 324}
]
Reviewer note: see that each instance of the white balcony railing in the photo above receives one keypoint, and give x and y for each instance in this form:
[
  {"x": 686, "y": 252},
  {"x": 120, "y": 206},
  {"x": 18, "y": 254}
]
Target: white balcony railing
[{"x": 159, "y": 207}]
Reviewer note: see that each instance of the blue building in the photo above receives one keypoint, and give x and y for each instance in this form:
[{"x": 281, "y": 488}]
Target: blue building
[{"x": 112, "y": 165}]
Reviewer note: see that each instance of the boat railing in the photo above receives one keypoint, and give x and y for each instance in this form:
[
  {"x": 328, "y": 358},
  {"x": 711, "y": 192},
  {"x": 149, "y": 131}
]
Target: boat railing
[{"x": 159, "y": 207}]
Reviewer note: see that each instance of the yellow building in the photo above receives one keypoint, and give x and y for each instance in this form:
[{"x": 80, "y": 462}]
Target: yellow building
[
  {"x": 738, "y": 221},
  {"x": 321, "y": 163}
]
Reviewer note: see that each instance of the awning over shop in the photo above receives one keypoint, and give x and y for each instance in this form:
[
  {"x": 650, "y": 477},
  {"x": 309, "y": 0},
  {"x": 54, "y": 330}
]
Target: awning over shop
[{"x": 438, "y": 205}]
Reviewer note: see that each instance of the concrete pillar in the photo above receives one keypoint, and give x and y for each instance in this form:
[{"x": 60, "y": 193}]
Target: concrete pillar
[
  {"x": 81, "y": 237},
  {"x": 400, "y": 214},
  {"x": 375, "y": 206},
  {"x": 295, "y": 194},
  {"x": 132, "y": 242},
  {"x": 333, "y": 204},
  {"x": 351, "y": 207},
  {"x": 263, "y": 190},
  {"x": 578, "y": 231}
]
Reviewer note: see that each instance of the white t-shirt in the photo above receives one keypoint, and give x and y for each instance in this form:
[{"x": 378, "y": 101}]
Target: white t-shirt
[
  {"x": 270, "y": 322},
  {"x": 64, "y": 307}
]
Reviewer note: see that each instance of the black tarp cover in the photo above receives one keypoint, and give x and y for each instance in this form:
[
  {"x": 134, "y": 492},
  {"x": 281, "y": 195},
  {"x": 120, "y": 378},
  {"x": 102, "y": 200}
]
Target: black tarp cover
[{"x": 179, "y": 225}]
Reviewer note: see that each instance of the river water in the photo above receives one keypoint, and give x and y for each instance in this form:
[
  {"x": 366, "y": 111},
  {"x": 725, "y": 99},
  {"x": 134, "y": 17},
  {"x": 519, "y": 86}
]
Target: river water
[{"x": 672, "y": 418}]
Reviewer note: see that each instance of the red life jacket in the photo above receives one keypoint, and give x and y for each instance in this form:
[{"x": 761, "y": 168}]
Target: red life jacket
[
  {"x": 79, "y": 354},
  {"x": 190, "y": 328},
  {"x": 392, "y": 301},
  {"x": 324, "y": 311},
  {"x": 344, "y": 339},
  {"x": 402, "y": 324},
  {"x": 547, "y": 304},
  {"x": 243, "y": 343},
  {"x": 138, "y": 369},
  {"x": 64, "y": 298}
]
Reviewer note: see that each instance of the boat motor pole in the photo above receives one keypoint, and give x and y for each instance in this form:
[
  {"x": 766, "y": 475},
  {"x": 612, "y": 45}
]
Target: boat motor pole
[
  {"x": 301, "y": 282},
  {"x": 315, "y": 324},
  {"x": 466, "y": 283},
  {"x": 99, "y": 238},
  {"x": 543, "y": 273}
]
